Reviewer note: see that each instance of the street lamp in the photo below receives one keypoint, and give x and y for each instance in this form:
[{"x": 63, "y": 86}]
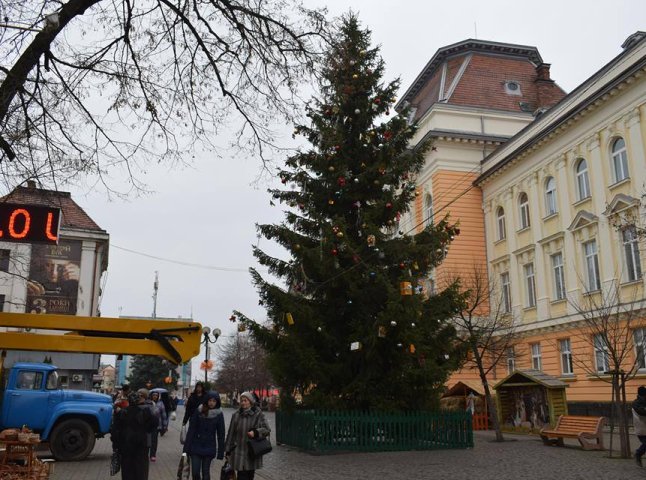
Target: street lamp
[{"x": 206, "y": 331}]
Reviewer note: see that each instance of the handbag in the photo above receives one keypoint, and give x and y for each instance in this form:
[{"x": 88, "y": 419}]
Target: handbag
[
  {"x": 115, "y": 464},
  {"x": 182, "y": 435},
  {"x": 259, "y": 446},
  {"x": 184, "y": 468},
  {"x": 227, "y": 472}
]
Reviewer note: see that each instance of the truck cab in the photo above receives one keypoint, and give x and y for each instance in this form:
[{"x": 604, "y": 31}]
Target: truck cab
[{"x": 69, "y": 420}]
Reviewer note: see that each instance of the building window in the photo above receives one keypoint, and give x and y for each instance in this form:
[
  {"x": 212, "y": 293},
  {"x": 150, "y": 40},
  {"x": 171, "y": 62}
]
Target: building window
[
  {"x": 500, "y": 221},
  {"x": 428, "y": 210},
  {"x": 550, "y": 196},
  {"x": 523, "y": 204},
  {"x": 640, "y": 347},
  {"x": 506, "y": 292},
  {"x": 530, "y": 283},
  {"x": 5, "y": 256},
  {"x": 536, "y": 356},
  {"x": 511, "y": 360},
  {"x": 582, "y": 179},
  {"x": 601, "y": 354},
  {"x": 559, "y": 276},
  {"x": 566, "y": 356},
  {"x": 512, "y": 87},
  {"x": 591, "y": 266},
  {"x": 619, "y": 160},
  {"x": 631, "y": 253}
]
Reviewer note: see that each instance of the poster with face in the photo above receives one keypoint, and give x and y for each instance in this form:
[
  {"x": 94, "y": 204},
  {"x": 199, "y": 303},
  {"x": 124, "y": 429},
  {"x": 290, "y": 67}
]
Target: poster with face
[{"x": 54, "y": 275}]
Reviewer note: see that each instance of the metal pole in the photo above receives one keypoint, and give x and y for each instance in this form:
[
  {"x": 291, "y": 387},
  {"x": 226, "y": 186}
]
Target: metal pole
[{"x": 206, "y": 361}]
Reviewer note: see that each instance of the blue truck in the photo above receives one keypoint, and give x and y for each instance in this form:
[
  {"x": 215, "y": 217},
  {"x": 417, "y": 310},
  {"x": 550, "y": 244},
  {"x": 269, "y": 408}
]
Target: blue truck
[{"x": 70, "y": 421}]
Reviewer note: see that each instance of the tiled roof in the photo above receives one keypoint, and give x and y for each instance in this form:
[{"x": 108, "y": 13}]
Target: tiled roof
[{"x": 73, "y": 215}]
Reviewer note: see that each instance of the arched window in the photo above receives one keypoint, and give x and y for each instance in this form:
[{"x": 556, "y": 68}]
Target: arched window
[
  {"x": 619, "y": 160},
  {"x": 582, "y": 179},
  {"x": 523, "y": 204},
  {"x": 550, "y": 196},
  {"x": 500, "y": 222},
  {"x": 428, "y": 209}
]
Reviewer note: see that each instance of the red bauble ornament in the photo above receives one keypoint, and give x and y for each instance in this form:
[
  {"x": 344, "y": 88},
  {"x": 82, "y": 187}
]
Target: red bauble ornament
[
  {"x": 377, "y": 100},
  {"x": 341, "y": 181},
  {"x": 402, "y": 265},
  {"x": 334, "y": 252},
  {"x": 389, "y": 205},
  {"x": 388, "y": 135}
]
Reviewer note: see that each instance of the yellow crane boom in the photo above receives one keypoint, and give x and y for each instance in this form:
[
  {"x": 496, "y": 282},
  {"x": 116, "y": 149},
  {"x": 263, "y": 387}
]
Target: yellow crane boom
[{"x": 175, "y": 340}]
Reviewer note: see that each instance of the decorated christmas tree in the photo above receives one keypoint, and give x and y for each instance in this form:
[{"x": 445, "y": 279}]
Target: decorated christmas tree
[{"x": 352, "y": 327}]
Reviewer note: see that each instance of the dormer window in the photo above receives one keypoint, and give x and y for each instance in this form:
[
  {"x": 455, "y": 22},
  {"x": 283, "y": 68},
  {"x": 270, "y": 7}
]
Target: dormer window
[{"x": 512, "y": 87}]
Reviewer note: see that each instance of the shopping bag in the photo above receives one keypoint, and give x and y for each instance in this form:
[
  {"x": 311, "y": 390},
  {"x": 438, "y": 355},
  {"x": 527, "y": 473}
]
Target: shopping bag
[
  {"x": 259, "y": 446},
  {"x": 227, "y": 472},
  {"x": 182, "y": 434},
  {"x": 184, "y": 468},
  {"x": 115, "y": 463}
]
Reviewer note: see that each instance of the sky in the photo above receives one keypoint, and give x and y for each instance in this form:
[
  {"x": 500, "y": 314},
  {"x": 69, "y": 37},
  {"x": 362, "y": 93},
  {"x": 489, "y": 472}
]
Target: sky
[{"x": 205, "y": 214}]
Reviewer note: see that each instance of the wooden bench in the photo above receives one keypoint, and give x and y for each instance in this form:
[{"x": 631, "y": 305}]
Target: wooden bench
[{"x": 588, "y": 430}]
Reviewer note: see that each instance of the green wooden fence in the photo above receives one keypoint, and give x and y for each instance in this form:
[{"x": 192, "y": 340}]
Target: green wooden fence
[{"x": 332, "y": 431}]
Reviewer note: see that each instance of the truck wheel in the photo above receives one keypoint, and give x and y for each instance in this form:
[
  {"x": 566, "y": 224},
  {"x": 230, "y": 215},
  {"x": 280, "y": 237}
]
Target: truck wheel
[{"x": 72, "y": 440}]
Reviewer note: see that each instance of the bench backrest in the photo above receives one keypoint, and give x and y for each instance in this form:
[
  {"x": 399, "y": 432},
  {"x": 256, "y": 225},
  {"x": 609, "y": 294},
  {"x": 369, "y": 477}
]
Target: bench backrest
[{"x": 579, "y": 423}]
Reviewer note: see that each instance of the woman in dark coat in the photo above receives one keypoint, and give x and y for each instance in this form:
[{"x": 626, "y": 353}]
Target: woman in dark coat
[
  {"x": 194, "y": 400},
  {"x": 205, "y": 436},
  {"x": 247, "y": 422},
  {"x": 129, "y": 434}
]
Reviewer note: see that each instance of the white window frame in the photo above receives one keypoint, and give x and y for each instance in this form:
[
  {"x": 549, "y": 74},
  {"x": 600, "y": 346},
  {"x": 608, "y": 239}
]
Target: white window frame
[
  {"x": 565, "y": 348},
  {"x": 537, "y": 362},
  {"x": 511, "y": 360},
  {"x": 601, "y": 356},
  {"x": 505, "y": 287},
  {"x": 582, "y": 179},
  {"x": 591, "y": 257},
  {"x": 559, "y": 276},
  {"x": 500, "y": 222},
  {"x": 523, "y": 205},
  {"x": 632, "y": 258},
  {"x": 428, "y": 209},
  {"x": 530, "y": 284},
  {"x": 619, "y": 157},
  {"x": 639, "y": 337},
  {"x": 550, "y": 196}
]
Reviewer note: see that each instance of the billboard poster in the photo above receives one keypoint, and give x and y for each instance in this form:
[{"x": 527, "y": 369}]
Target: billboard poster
[{"x": 54, "y": 275}]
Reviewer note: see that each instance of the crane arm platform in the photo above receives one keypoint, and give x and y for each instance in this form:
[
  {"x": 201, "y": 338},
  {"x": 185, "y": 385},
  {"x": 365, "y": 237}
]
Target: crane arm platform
[{"x": 175, "y": 340}]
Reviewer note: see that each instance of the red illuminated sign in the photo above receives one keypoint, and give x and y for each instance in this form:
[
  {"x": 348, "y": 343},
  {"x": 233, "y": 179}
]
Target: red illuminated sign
[{"x": 29, "y": 223}]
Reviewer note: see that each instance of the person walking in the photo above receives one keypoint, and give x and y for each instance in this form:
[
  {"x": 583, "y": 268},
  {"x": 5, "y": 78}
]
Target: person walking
[
  {"x": 205, "y": 436},
  {"x": 129, "y": 436},
  {"x": 639, "y": 422},
  {"x": 162, "y": 424},
  {"x": 247, "y": 422},
  {"x": 194, "y": 400}
]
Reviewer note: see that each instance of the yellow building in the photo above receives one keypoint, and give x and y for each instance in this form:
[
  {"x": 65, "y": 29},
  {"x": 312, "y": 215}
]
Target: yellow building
[{"x": 554, "y": 207}]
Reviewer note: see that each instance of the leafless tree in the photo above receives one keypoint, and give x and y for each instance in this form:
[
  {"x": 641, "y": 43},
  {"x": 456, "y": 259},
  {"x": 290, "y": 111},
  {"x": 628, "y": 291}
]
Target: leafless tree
[
  {"x": 485, "y": 328},
  {"x": 99, "y": 87},
  {"x": 242, "y": 365},
  {"x": 611, "y": 323}
]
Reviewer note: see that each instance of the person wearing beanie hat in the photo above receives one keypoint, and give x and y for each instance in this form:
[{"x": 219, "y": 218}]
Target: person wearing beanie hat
[
  {"x": 247, "y": 422},
  {"x": 639, "y": 422},
  {"x": 130, "y": 436}
]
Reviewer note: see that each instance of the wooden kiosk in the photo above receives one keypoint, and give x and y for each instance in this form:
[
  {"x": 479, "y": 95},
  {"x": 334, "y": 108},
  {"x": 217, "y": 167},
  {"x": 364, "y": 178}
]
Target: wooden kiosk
[
  {"x": 529, "y": 400},
  {"x": 468, "y": 395}
]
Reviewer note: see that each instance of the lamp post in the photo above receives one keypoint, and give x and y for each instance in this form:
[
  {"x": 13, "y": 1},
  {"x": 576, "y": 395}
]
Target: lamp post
[{"x": 206, "y": 331}]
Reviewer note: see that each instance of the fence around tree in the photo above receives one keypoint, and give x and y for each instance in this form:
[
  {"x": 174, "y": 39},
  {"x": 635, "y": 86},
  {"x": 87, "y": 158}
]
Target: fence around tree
[{"x": 325, "y": 431}]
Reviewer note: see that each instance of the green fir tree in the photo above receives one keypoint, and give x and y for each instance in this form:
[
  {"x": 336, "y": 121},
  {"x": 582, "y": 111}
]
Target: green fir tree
[
  {"x": 151, "y": 371},
  {"x": 353, "y": 329}
]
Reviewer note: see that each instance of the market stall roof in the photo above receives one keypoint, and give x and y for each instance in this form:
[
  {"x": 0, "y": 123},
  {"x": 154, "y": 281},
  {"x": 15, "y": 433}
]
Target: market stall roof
[
  {"x": 530, "y": 377},
  {"x": 463, "y": 388}
]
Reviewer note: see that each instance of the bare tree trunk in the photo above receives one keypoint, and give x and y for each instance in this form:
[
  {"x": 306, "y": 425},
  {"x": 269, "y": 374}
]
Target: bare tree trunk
[
  {"x": 612, "y": 417},
  {"x": 491, "y": 408},
  {"x": 623, "y": 426}
]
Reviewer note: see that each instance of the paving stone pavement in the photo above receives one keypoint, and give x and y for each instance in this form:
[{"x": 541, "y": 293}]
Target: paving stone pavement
[{"x": 523, "y": 456}]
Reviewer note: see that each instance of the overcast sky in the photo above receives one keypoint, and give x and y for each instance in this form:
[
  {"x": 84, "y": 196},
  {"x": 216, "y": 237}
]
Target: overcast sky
[{"x": 205, "y": 214}]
